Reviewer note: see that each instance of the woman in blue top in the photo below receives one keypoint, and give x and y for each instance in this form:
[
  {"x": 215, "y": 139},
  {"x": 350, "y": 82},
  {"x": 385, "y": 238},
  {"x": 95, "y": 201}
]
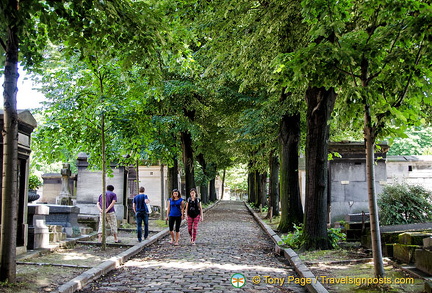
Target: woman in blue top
[{"x": 175, "y": 213}]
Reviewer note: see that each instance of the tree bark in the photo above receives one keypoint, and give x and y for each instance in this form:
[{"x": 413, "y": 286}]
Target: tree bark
[
  {"x": 204, "y": 185},
  {"x": 162, "y": 215},
  {"x": 188, "y": 161},
  {"x": 369, "y": 136},
  {"x": 212, "y": 190},
  {"x": 103, "y": 215},
  {"x": 257, "y": 185},
  {"x": 251, "y": 184},
  {"x": 273, "y": 186},
  {"x": 173, "y": 182},
  {"x": 223, "y": 184},
  {"x": 10, "y": 155},
  {"x": 320, "y": 103},
  {"x": 289, "y": 137},
  {"x": 262, "y": 189},
  {"x": 205, "y": 194}
]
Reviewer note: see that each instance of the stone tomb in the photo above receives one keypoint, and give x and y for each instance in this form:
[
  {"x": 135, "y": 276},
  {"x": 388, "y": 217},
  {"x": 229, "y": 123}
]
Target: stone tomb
[
  {"x": 26, "y": 125},
  {"x": 65, "y": 216},
  {"x": 38, "y": 232},
  {"x": 347, "y": 178}
]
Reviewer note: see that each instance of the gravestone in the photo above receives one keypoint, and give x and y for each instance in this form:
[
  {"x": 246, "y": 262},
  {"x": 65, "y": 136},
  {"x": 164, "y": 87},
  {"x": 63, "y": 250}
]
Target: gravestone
[{"x": 65, "y": 196}]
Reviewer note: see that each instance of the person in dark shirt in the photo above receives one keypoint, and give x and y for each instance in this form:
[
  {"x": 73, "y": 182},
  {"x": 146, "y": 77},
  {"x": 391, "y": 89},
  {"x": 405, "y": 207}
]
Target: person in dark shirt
[
  {"x": 110, "y": 215},
  {"x": 141, "y": 211},
  {"x": 194, "y": 214}
]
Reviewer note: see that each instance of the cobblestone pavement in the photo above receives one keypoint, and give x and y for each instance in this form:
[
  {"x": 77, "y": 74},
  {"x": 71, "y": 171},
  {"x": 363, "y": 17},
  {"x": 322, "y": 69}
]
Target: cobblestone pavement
[{"x": 229, "y": 242}]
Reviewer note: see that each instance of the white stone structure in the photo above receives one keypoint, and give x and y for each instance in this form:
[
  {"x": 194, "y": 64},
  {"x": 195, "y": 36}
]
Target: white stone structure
[{"x": 410, "y": 169}]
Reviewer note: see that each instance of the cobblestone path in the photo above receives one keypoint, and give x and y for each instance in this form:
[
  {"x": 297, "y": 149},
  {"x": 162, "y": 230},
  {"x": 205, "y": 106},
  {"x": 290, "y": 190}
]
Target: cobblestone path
[{"x": 229, "y": 242}]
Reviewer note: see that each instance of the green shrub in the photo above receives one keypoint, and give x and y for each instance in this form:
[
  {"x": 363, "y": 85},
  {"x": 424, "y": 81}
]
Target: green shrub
[
  {"x": 405, "y": 204},
  {"x": 34, "y": 182},
  {"x": 295, "y": 239},
  {"x": 335, "y": 236}
]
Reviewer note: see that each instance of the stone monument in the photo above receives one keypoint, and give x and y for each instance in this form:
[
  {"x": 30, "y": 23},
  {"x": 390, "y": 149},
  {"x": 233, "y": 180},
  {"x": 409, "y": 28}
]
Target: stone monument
[{"x": 65, "y": 197}]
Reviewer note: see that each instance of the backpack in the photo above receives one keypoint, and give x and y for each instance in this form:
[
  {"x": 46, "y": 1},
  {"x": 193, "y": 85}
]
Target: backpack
[{"x": 193, "y": 208}]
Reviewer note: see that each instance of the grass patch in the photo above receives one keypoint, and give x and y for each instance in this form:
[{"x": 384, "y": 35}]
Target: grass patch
[
  {"x": 351, "y": 270},
  {"x": 161, "y": 223},
  {"x": 127, "y": 226}
]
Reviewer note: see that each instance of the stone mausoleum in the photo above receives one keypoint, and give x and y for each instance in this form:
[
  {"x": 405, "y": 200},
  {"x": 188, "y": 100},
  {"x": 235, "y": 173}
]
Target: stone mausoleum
[
  {"x": 347, "y": 178},
  {"x": 26, "y": 125}
]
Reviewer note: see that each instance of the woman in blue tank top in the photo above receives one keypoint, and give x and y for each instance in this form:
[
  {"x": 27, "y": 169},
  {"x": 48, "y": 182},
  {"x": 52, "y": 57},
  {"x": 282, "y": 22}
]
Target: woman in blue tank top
[{"x": 175, "y": 213}]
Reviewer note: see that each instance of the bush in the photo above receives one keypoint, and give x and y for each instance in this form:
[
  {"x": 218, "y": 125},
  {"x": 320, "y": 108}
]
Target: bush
[
  {"x": 405, "y": 204},
  {"x": 34, "y": 182},
  {"x": 295, "y": 239}
]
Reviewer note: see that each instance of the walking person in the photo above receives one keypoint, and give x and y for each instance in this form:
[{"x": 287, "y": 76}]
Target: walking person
[
  {"x": 110, "y": 215},
  {"x": 140, "y": 208},
  {"x": 194, "y": 214},
  {"x": 175, "y": 212}
]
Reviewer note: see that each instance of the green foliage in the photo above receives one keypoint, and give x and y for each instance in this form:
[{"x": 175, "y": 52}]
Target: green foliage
[
  {"x": 405, "y": 204},
  {"x": 295, "y": 239},
  {"x": 236, "y": 178},
  {"x": 415, "y": 141},
  {"x": 34, "y": 182},
  {"x": 335, "y": 236}
]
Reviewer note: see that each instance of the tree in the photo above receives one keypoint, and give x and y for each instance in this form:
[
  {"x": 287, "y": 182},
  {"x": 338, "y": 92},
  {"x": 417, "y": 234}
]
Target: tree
[
  {"x": 10, "y": 17},
  {"x": 96, "y": 111},
  {"x": 388, "y": 52},
  {"x": 380, "y": 47},
  {"x": 273, "y": 186},
  {"x": 320, "y": 105}
]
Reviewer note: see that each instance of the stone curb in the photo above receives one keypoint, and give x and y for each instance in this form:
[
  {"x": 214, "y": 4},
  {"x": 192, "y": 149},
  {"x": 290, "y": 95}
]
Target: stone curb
[
  {"x": 92, "y": 274},
  {"x": 301, "y": 269}
]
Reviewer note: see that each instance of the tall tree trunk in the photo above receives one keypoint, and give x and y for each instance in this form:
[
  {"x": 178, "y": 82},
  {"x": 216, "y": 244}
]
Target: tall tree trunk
[
  {"x": 204, "y": 194},
  {"x": 204, "y": 185},
  {"x": 188, "y": 161},
  {"x": 251, "y": 186},
  {"x": 10, "y": 152},
  {"x": 273, "y": 186},
  {"x": 320, "y": 103},
  {"x": 369, "y": 137},
  {"x": 262, "y": 190},
  {"x": 257, "y": 185},
  {"x": 223, "y": 184},
  {"x": 103, "y": 216},
  {"x": 289, "y": 137},
  {"x": 162, "y": 212},
  {"x": 211, "y": 171},
  {"x": 212, "y": 190},
  {"x": 173, "y": 182}
]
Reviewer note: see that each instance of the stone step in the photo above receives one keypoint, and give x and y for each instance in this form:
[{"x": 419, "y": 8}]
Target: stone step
[
  {"x": 55, "y": 228},
  {"x": 86, "y": 230},
  {"x": 57, "y": 236}
]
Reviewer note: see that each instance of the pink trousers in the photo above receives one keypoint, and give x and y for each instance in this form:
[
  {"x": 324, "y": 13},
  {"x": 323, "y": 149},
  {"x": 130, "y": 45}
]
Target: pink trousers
[{"x": 193, "y": 226}]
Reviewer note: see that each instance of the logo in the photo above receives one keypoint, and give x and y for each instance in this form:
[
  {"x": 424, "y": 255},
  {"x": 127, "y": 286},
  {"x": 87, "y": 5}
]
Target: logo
[{"x": 238, "y": 280}]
